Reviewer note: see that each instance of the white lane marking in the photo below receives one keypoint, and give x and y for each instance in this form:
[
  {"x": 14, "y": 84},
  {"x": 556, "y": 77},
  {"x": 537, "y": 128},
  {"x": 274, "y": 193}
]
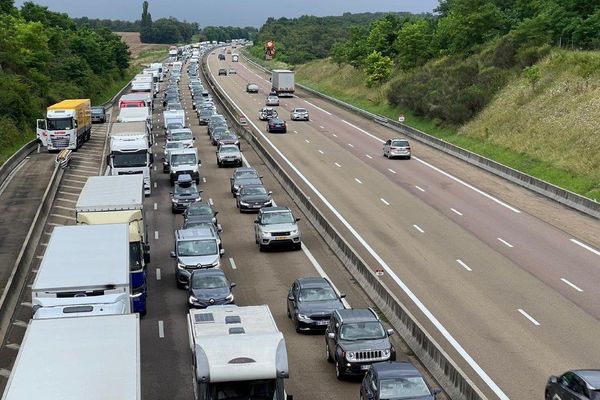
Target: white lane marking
[
  {"x": 422, "y": 307},
  {"x": 307, "y": 141},
  {"x": 154, "y": 185},
  {"x": 572, "y": 285},
  {"x": 155, "y": 167},
  {"x": 321, "y": 151},
  {"x": 420, "y": 188},
  {"x": 384, "y": 201},
  {"x": 321, "y": 126},
  {"x": 156, "y": 235},
  {"x": 363, "y": 131},
  {"x": 351, "y": 145},
  {"x": 368, "y": 156},
  {"x": 334, "y": 135},
  {"x": 317, "y": 107},
  {"x": 64, "y": 208},
  {"x": 158, "y": 274},
  {"x": 417, "y": 227},
  {"x": 161, "y": 329},
  {"x": 155, "y": 206},
  {"x": 210, "y": 201},
  {"x": 73, "y": 180},
  {"x": 465, "y": 266},
  {"x": 68, "y": 193},
  {"x": 585, "y": 246},
  {"x": 232, "y": 262},
  {"x": 295, "y": 131},
  {"x": 337, "y": 165},
  {"x": 391, "y": 170},
  {"x": 63, "y": 216},
  {"x": 505, "y": 242},
  {"x": 67, "y": 200},
  {"x": 456, "y": 212},
  {"x": 322, "y": 272},
  {"x": 358, "y": 180},
  {"x": 203, "y": 180},
  {"x": 529, "y": 317}
]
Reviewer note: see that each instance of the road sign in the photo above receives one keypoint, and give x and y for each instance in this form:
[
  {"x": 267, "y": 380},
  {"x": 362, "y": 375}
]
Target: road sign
[
  {"x": 401, "y": 118},
  {"x": 243, "y": 120},
  {"x": 379, "y": 272}
]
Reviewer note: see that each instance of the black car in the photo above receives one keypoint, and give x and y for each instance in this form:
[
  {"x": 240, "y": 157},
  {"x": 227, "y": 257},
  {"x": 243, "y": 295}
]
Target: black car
[
  {"x": 209, "y": 287},
  {"x": 204, "y": 116},
  {"x": 253, "y": 198},
  {"x": 200, "y": 209},
  {"x": 229, "y": 138},
  {"x": 354, "y": 339},
  {"x": 576, "y": 384},
  {"x": 243, "y": 176},
  {"x": 222, "y": 71},
  {"x": 276, "y": 125},
  {"x": 395, "y": 380},
  {"x": 310, "y": 303},
  {"x": 98, "y": 114},
  {"x": 221, "y": 56},
  {"x": 185, "y": 193}
]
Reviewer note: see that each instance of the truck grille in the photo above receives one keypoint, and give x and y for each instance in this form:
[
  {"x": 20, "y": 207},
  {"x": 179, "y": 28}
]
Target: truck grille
[
  {"x": 59, "y": 142},
  {"x": 369, "y": 355},
  {"x": 130, "y": 172}
]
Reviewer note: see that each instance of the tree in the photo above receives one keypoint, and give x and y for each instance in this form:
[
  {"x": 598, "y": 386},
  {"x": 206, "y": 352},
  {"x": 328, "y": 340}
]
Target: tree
[
  {"x": 414, "y": 44},
  {"x": 7, "y": 6},
  {"x": 145, "y": 24},
  {"x": 383, "y": 34},
  {"x": 378, "y": 68}
]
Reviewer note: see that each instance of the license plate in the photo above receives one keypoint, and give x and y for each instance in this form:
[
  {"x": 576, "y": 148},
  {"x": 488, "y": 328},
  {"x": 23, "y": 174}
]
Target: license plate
[
  {"x": 280, "y": 238},
  {"x": 364, "y": 367},
  {"x": 322, "y": 322}
]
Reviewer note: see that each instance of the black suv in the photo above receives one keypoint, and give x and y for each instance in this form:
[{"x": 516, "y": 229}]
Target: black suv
[{"x": 355, "y": 339}]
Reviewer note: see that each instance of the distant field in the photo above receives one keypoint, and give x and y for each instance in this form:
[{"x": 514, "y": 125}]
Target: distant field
[{"x": 132, "y": 39}]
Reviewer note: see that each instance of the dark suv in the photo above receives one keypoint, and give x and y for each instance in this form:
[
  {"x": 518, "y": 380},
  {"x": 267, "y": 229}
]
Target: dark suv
[{"x": 355, "y": 339}]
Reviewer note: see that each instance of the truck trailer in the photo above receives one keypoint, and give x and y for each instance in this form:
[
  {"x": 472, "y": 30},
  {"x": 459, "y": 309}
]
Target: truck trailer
[
  {"x": 282, "y": 81},
  {"x": 92, "y": 358},
  {"x": 120, "y": 200},
  {"x": 237, "y": 351},
  {"x": 85, "y": 270},
  {"x": 67, "y": 125}
]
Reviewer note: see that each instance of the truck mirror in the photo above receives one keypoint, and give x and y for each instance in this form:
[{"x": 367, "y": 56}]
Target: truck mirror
[
  {"x": 216, "y": 212},
  {"x": 390, "y": 332},
  {"x": 172, "y": 254}
]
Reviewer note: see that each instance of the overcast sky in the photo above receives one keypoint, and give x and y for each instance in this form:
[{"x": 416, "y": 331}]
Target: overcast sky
[{"x": 228, "y": 12}]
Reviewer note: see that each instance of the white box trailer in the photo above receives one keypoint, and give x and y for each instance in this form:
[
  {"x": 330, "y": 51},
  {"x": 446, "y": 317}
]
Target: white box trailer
[
  {"x": 238, "y": 351},
  {"x": 83, "y": 263},
  {"x": 282, "y": 81},
  {"x": 91, "y": 358},
  {"x": 136, "y": 114}
]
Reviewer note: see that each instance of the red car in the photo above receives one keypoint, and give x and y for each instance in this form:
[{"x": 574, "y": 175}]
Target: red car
[{"x": 276, "y": 125}]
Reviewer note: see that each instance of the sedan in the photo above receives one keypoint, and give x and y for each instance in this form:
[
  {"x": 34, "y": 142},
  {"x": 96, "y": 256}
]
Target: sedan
[
  {"x": 576, "y": 384},
  {"x": 98, "y": 114},
  {"x": 266, "y": 113},
  {"x": 229, "y": 138},
  {"x": 252, "y": 88},
  {"x": 395, "y": 380},
  {"x": 272, "y": 101},
  {"x": 396, "y": 148},
  {"x": 243, "y": 176},
  {"x": 204, "y": 115},
  {"x": 209, "y": 287},
  {"x": 276, "y": 125},
  {"x": 253, "y": 198},
  {"x": 299, "y": 114},
  {"x": 200, "y": 209},
  {"x": 229, "y": 154},
  {"x": 311, "y": 302}
]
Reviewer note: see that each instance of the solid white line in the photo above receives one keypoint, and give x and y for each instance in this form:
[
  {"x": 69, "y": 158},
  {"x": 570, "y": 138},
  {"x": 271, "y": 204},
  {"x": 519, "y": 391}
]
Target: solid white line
[
  {"x": 456, "y": 212},
  {"x": 161, "y": 329},
  {"x": 422, "y": 307},
  {"x": 384, "y": 201},
  {"x": 572, "y": 285},
  {"x": 529, "y": 317},
  {"x": 391, "y": 170},
  {"x": 307, "y": 141},
  {"x": 358, "y": 180},
  {"x": 156, "y": 235},
  {"x": 585, "y": 246},
  {"x": 203, "y": 180},
  {"x": 368, "y": 156},
  {"x": 505, "y": 242},
  {"x": 321, "y": 126},
  {"x": 337, "y": 165},
  {"x": 232, "y": 262},
  {"x": 155, "y": 206},
  {"x": 321, "y": 151},
  {"x": 417, "y": 227},
  {"x": 465, "y": 266},
  {"x": 154, "y": 185},
  {"x": 351, "y": 145},
  {"x": 317, "y": 107},
  {"x": 420, "y": 188},
  {"x": 158, "y": 275},
  {"x": 322, "y": 272}
]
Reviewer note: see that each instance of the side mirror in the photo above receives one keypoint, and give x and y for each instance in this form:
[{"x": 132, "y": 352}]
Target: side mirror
[
  {"x": 270, "y": 192},
  {"x": 297, "y": 219},
  {"x": 342, "y": 295},
  {"x": 146, "y": 258},
  {"x": 108, "y": 159},
  {"x": 187, "y": 287},
  {"x": 390, "y": 332},
  {"x": 256, "y": 221},
  {"x": 289, "y": 397},
  {"x": 331, "y": 335},
  {"x": 553, "y": 379},
  {"x": 233, "y": 284},
  {"x": 216, "y": 212},
  {"x": 436, "y": 391},
  {"x": 172, "y": 254},
  {"x": 290, "y": 297},
  {"x": 171, "y": 193},
  {"x": 222, "y": 251},
  {"x": 219, "y": 228}
]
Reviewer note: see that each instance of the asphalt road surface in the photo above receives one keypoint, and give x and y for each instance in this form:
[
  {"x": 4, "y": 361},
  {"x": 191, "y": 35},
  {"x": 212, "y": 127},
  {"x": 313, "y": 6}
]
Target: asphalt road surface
[{"x": 509, "y": 277}]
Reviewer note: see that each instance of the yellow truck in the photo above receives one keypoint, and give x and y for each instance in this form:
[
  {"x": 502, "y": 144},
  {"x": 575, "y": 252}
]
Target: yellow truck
[{"x": 67, "y": 125}]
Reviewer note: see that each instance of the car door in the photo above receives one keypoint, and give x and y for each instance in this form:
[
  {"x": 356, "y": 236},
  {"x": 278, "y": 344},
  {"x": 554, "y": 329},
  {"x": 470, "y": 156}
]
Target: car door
[
  {"x": 365, "y": 388},
  {"x": 386, "y": 147},
  {"x": 332, "y": 328},
  {"x": 256, "y": 227},
  {"x": 293, "y": 300},
  {"x": 564, "y": 389}
]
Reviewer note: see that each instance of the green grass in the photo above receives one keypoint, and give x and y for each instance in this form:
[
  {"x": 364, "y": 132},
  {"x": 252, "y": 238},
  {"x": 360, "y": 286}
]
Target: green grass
[
  {"x": 7, "y": 152},
  {"x": 347, "y": 84}
]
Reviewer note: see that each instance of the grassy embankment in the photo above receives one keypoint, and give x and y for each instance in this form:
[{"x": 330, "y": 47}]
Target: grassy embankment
[{"x": 550, "y": 130}]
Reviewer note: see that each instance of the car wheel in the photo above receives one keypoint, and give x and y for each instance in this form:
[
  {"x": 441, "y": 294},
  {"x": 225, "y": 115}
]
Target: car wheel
[
  {"x": 179, "y": 284},
  {"x": 219, "y": 164},
  {"x": 327, "y": 353},
  {"x": 297, "y": 326},
  {"x": 261, "y": 247},
  {"x": 408, "y": 158},
  {"x": 255, "y": 239},
  {"x": 338, "y": 372},
  {"x": 288, "y": 312}
]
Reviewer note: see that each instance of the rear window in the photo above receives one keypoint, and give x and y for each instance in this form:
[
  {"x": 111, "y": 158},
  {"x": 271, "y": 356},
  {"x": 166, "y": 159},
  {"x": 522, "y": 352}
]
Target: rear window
[{"x": 400, "y": 143}]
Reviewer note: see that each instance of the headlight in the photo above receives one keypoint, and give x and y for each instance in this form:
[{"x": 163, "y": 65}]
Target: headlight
[
  {"x": 244, "y": 203},
  {"x": 174, "y": 201},
  {"x": 230, "y": 297},
  {"x": 180, "y": 267},
  {"x": 386, "y": 353},
  {"x": 192, "y": 299},
  {"x": 294, "y": 232},
  {"x": 304, "y": 318},
  {"x": 350, "y": 355},
  {"x": 268, "y": 202}
]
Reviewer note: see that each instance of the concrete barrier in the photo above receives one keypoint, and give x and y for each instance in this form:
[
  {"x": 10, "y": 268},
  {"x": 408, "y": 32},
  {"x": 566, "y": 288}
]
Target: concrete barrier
[
  {"x": 9, "y": 165},
  {"x": 445, "y": 370},
  {"x": 546, "y": 189}
]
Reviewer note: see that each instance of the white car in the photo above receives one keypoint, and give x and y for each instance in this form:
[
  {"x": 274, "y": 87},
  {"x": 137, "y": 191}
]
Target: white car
[
  {"x": 299, "y": 114},
  {"x": 272, "y": 101},
  {"x": 252, "y": 88},
  {"x": 396, "y": 148},
  {"x": 266, "y": 113}
]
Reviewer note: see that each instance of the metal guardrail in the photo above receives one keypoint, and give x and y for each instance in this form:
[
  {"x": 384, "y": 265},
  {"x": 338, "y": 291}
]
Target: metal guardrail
[
  {"x": 573, "y": 200},
  {"x": 445, "y": 370}
]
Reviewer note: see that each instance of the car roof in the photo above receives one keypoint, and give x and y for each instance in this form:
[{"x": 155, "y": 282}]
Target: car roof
[
  {"x": 251, "y": 185},
  {"x": 209, "y": 272},
  {"x": 195, "y": 233},
  {"x": 276, "y": 119},
  {"x": 244, "y": 169},
  {"x": 590, "y": 376},
  {"x": 228, "y": 146},
  {"x": 313, "y": 281},
  {"x": 357, "y": 315},
  {"x": 395, "y": 369},
  {"x": 274, "y": 209}
]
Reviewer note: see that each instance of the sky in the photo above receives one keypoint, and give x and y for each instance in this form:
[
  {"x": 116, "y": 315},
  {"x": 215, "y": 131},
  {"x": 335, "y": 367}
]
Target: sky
[{"x": 228, "y": 12}]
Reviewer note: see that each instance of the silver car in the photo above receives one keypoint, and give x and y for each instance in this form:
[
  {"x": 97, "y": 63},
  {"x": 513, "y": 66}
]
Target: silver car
[
  {"x": 299, "y": 114},
  {"x": 272, "y": 101},
  {"x": 396, "y": 148},
  {"x": 276, "y": 226},
  {"x": 229, "y": 154}
]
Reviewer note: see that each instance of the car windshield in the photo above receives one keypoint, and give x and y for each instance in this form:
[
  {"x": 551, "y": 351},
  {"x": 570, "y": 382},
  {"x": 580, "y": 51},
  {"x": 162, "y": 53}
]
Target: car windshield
[
  {"x": 402, "y": 388},
  {"x": 252, "y": 190},
  {"x": 228, "y": 149},
  {"x": 246, "y": 175},
  {"x": 174, "y": 145},
  {"x": 300, "y": 110},
  {"x": 197, "y": 224},
  {"x": 122, "y": 160},
  {"x": 202, "y": 281},
  {"x": 243, "y": 390},
  {"x": 272, "y": 98},
  {"x": 187, "y": 190},
  {"x": 228, "y": 136},
  {"x": 362, "y": 331},
  {"x": 175, "y": 106},
  {"x": 181, "y": 136},
  {"x": 58, "y": 124},
  {"x": 317, "y": 294},
  {"x": 199, "y": 209},
  {"x": 277, "y": 218},
  {"x": 174, "y": 126},
  {"x": 183, "y": 159},
  {"x": 399, "y": 143},
  {"x": 98, "y": 111},
  {"x": 194, "y": 248}
]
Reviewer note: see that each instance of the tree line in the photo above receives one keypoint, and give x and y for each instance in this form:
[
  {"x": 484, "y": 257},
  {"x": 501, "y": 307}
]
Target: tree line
[
  {"x": 225, "y": 33},
  {"x": 165, "y": 30},
  {"x": 115, "y": 25},
  {"x": 45, "y": 58}
]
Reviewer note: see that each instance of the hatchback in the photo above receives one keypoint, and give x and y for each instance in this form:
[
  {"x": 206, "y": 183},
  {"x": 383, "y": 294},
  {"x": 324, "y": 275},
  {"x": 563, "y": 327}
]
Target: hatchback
[{"x": 396, "y": 148}]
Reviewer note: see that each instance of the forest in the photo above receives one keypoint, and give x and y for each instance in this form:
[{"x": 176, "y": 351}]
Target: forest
[{"x": 165, "y": 30}]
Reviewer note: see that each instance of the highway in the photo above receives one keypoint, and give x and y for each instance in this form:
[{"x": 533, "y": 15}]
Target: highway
[
  {"x": 262, "y": 278},
  {"x": 504, "y": 279}
]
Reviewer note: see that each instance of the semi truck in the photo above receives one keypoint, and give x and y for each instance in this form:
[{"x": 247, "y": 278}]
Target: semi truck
[
  {"x": 120, "y": 199},
  {"x": 131, "y": 151},
  {"x": 67, "y": 125},
  {"x": 161, "y": 71},
  {"x": 282, "y": 81},
  {"x": 238, "y": 351},
  {"x": 135, "y": 100},
  {"x": 135, "y": 114},
  {"x": 84, "y": 271},
  {"x": 173, "y": 117},
  {"x": 92, "y": 358}
]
